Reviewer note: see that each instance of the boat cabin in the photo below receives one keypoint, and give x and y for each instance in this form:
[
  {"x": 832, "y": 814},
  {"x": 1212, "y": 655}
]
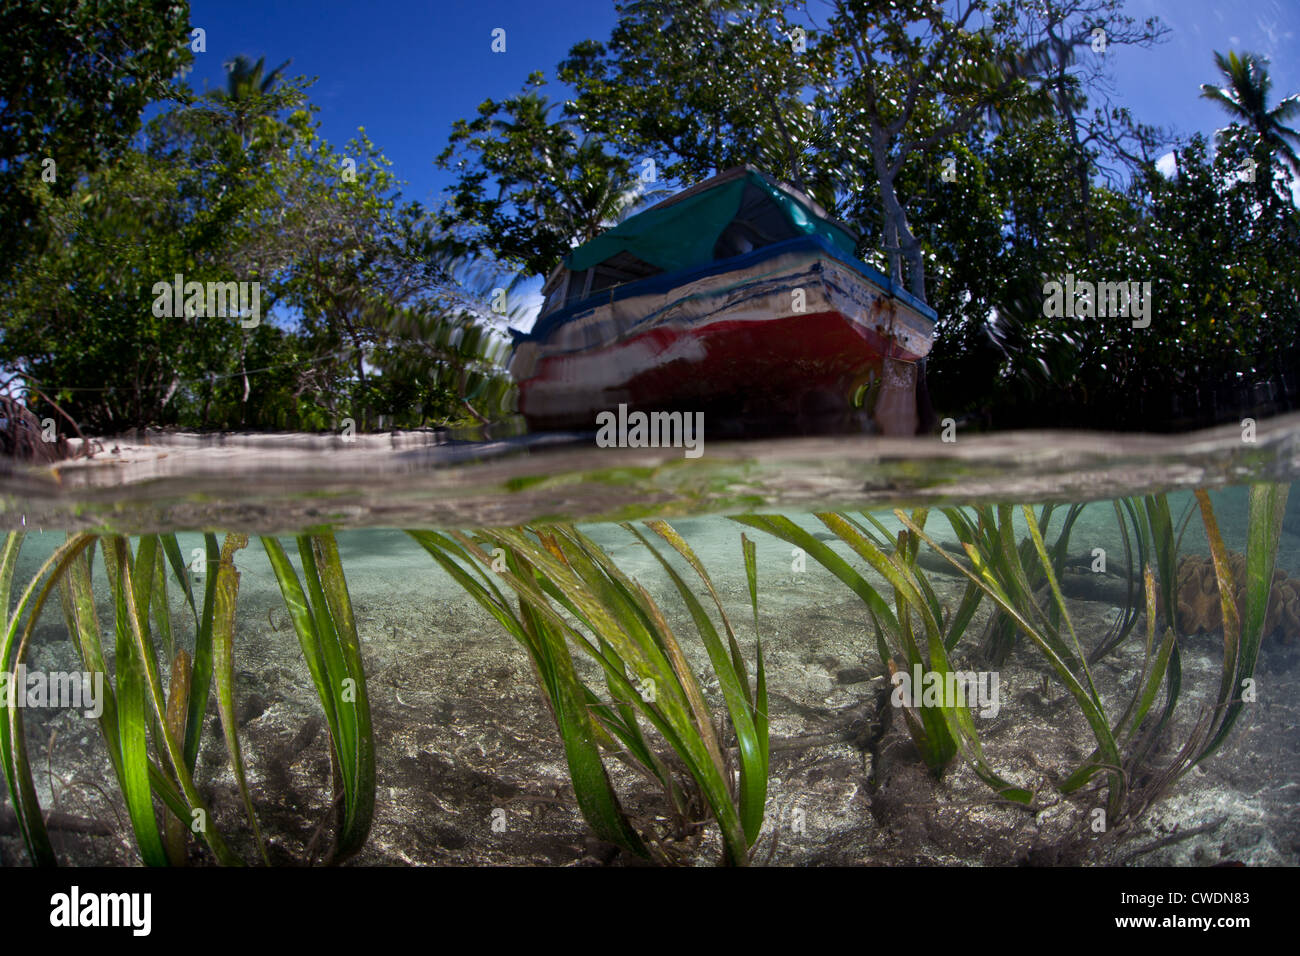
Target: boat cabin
[{"x": 729, "y": 215}]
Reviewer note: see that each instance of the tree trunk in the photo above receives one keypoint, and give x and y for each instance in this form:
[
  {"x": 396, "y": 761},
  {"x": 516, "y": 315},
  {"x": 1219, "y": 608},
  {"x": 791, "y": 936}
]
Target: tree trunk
[
  {"x": 904, "y": 245},
  {"x": 361, "y": 383},
  {"x": 903, "y": 407}
]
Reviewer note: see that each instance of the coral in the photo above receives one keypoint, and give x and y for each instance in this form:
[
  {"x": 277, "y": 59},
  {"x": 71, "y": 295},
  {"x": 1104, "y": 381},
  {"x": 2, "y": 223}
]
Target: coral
[{"x": 1199, "y": 610}]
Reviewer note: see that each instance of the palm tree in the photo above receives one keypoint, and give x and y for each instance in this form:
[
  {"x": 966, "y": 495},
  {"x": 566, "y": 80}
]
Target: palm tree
[
  {"x": 245, "y": 96},
  {"x": 1245, "y": 98},
  {"x": 592, "y": 194},
  {"x": 244, "y": 77},
  {"x": 597, "y": 196},
  {"x": 245, "y": 86}
]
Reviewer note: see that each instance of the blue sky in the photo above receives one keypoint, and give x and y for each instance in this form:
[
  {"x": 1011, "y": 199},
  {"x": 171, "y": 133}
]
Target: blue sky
[
  {"x": 1162, "y": 85},
  {"x": 403, "y": 69},
  {"x": 407, "y": 69}
]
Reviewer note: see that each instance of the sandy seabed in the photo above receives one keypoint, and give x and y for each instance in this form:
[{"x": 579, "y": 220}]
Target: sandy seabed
[{"x": 470, "y": 768}]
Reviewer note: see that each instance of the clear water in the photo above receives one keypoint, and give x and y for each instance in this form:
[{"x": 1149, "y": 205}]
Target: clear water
[{"x": 462, "y": 731}]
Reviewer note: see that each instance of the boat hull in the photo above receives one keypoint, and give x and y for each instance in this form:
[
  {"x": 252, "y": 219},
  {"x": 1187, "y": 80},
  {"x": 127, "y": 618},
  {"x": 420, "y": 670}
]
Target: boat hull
[{"x": 790, "y": 341}]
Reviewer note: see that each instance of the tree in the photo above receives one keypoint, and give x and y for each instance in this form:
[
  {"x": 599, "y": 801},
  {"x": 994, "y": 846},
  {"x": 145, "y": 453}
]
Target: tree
[
  {"x": 79, "y": 317},
  {"x": 554, "y": 186},
  {"x": 700, "y": 87},
  {"x": 248, "y": 92},
  {"x": 840, "y": 110},
  {"x": 76, "y": 78},
  {"x": 1245, "y": 99},
  {"x": 374, "y": 282},
  {"x": 906, "y": 78},
  {"x": 1065, "y": 44},
  {"x": 221, "y": 192}
]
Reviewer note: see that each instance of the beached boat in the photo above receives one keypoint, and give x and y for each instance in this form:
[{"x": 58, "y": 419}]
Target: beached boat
[{"x": 740, "y": 298}]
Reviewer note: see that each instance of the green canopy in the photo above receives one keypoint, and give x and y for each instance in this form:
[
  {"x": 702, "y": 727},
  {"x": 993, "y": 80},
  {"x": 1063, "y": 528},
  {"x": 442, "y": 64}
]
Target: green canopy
[{"x": 683, "y": 232}]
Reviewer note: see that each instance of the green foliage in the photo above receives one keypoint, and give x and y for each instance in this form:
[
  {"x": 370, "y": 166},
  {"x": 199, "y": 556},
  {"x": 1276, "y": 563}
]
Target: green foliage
[
  {"x": 152, "y": 733},
  {"x": 79, "y": 76},
  {"x": 327, "y": 632},
  {"x": 940, "y": 731},
  {"x": 571, "y": 595},
  {"x": 1001, "y": 631},
  {"x": 1241, "y": 634},
  {"x": 226, "y": 580},
  {"x": 1231, "y": 303},
  {"x": 998, "y": 567},
  {"x": 238, "y": 185},
  {"x": 1015, "y": 574},
  {"x": 1127, "y": 744},
  {"x": 1208, "y": 239},
  {"x": 135, "y": 706},
  {"x": 1245, "y": 99},
  {"x": 698, "y": 87},
  {"x": 554, "y": 186}
]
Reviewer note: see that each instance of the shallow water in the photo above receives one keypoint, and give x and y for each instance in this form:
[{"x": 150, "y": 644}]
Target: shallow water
[
  {"x": 464, "y": 739},
  {"x": 286, "y": 483}
]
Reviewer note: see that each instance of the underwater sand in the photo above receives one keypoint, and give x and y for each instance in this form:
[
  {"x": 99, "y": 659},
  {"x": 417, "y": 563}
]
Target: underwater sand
[{"x": 464, "y": 737}]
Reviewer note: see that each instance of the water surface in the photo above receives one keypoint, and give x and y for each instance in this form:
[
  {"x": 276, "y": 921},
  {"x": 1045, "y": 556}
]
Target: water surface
[{"x": 289, "y": 482}]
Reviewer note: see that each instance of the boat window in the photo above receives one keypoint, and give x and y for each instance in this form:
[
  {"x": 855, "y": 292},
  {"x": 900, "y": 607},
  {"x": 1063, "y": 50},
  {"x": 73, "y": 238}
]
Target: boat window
[
  {"x": 614, "y": 271},
  {"x": 557, "y": 296}
]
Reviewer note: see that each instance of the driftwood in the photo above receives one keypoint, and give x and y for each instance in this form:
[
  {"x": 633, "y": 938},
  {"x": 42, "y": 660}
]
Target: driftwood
[{"x": 56, "y": 820}]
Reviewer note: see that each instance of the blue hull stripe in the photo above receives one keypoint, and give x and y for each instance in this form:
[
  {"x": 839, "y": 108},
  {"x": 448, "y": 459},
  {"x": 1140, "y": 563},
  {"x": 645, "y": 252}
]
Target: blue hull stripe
[{"x": 667, "y": 281}]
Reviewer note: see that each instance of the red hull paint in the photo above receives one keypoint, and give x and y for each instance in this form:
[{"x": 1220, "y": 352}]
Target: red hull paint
[{"x": 776, "y": 369}]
